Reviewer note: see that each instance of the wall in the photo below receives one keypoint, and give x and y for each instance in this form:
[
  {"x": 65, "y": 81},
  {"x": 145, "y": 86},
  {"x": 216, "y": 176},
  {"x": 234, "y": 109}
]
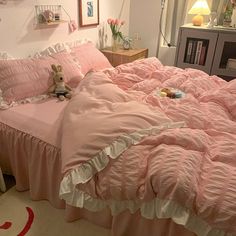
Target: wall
[
  {"x": 144, "y": 21},
  {"x": 20, "y": 37}
]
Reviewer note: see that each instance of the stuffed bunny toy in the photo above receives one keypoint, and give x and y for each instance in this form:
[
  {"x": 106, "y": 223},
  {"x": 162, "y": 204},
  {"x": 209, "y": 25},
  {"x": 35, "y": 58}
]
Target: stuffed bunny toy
[{"x": 59, "y": 89}]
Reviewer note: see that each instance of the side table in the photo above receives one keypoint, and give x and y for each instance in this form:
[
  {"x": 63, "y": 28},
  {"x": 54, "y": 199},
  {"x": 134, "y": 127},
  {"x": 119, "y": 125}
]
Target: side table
[{"x": 121, "y": 56}]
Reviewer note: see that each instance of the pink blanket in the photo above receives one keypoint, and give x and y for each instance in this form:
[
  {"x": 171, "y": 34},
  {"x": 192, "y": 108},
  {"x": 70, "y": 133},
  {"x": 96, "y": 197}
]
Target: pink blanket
[{"x": 126, "y": 147}]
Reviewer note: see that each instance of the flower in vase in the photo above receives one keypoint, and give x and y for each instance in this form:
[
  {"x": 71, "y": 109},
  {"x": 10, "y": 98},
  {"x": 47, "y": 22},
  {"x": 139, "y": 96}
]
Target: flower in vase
[
  {"x": 233, "y": 2},
  {"x": 115, "y": 25}
]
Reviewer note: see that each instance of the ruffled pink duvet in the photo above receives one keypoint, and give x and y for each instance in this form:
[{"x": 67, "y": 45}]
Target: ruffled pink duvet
[{"x": 125, "y": 147}]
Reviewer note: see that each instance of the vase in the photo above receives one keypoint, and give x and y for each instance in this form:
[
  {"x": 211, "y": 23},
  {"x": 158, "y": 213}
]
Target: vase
[
  {"x": 114, "y": 44},
  {"x": 233, "y": 18}
]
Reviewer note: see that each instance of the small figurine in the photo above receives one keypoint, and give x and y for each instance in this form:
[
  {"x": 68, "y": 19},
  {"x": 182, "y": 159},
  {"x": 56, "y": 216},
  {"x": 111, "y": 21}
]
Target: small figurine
[{"x": 59, "y": 89}]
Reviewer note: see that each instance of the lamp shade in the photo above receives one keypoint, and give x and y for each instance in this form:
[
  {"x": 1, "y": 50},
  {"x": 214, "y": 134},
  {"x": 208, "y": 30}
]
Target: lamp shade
[{"x": 200, "y": 7}]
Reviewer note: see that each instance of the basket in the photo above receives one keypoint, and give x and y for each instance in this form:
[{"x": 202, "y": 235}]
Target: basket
[{"x": 46, "y": 14}]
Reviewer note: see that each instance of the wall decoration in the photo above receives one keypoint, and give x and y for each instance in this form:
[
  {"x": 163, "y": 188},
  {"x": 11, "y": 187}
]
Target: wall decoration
[
  {"x": 48, "y": 14},
  {"x": 88, "y": 13}
]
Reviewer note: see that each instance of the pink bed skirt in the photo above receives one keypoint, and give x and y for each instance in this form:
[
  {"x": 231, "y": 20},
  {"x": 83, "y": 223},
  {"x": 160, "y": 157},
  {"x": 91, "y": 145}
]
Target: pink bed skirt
[{"x": 36, "y": 166}]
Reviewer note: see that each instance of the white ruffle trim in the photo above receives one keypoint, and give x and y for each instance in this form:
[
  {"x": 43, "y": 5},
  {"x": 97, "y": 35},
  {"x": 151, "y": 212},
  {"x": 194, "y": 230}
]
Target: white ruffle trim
[
  {"x": 60, "y": 47},
  {"x": 5, "y": 56},
  {"x": 157, "y": 208},
  {"x": 87, "y": 170},
  {"x": 4, "y": 105}
]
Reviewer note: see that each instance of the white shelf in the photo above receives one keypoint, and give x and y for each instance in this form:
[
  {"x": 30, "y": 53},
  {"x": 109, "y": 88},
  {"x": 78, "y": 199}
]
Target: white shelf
[
  {"x": 220, "y": 47},
  {"x": 52, "y": 23}
]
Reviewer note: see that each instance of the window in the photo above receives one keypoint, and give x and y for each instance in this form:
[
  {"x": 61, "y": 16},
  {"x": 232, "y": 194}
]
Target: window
[{"x": 175, "y": 15}]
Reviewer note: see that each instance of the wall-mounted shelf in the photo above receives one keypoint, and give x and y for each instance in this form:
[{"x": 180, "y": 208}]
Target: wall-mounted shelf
[
  {"x": 48, "y": 15},
  {"x": 53, "y": 22}
]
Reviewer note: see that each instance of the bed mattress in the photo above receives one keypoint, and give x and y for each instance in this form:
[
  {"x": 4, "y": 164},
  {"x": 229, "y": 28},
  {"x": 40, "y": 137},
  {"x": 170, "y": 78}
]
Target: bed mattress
[
  {"x": 41, "y": 120},
  {"x": 30, "y": 147}
]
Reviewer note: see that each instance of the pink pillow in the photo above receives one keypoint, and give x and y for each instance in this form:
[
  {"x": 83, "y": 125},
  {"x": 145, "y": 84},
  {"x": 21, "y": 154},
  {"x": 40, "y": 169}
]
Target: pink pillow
[
  {"x": 25, "y": 78},
  {"x": 90, "y": 57}
]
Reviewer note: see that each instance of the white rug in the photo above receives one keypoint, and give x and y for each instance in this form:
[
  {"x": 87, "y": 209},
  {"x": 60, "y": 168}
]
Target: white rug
[{"x": 21, "y": 216}]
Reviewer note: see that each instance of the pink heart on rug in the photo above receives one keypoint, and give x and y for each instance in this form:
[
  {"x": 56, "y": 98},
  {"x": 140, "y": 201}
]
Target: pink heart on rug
[
  {"x": 28, "y": 223},
  {"x": 27, "y": 226}
]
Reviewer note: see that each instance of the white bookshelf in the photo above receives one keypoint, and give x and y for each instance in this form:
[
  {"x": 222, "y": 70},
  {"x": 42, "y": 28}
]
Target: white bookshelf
[{"x": 216, "y": 47}]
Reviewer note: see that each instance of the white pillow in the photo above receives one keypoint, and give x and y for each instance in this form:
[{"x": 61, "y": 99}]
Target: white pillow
[
  {"x": 59, "y": 47},
  {"x": 5, "y": 56}
]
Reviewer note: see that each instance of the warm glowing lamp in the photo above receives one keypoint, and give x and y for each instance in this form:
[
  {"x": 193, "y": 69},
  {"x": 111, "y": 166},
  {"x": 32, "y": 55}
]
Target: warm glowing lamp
[{"x": 199, "y": 8}]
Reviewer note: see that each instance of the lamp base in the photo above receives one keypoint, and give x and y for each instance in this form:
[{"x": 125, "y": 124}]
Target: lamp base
[{"x": 197, "y": 20}]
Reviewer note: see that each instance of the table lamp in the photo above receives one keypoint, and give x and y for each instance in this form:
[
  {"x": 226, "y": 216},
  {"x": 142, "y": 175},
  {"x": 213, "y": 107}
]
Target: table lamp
[{"x": 200, "y": 7}]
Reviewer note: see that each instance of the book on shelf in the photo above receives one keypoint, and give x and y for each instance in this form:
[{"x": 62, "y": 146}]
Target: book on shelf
[
  {"x": 188, "y": 51},
  {"x": 231, "y": 64},
  {"x": 193, "y": 53},
  {"x": 202, "y": 56},
  {"x": 196, "y": 50}
]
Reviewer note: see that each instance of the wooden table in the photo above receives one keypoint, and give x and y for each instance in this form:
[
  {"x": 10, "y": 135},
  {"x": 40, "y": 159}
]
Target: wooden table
[{"x": 121, "y": 56}]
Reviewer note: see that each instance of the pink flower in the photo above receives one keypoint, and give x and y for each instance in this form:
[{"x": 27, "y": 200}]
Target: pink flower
[
  {"x": 115, "y": 25},
  {"x": 233, "y": 2},
  {"x": 117, "y": 22}
]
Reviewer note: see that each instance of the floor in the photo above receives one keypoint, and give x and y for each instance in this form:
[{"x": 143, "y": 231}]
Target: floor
[{"x": 46, "y": 220}]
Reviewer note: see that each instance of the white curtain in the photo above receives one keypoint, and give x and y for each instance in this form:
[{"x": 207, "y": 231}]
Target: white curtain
[
  {"x": 219, "y": 6},
  {"x": 175, "y": 16}
]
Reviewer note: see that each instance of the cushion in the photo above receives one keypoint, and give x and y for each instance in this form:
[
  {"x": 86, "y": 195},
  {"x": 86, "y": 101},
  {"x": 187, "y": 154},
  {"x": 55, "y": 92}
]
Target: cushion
[
  {"x": 5, "y": 56},
  {"x": 90, "y": 57},
  {"x": 25, "y": 78},
  {"x": 59, "y": 47}
]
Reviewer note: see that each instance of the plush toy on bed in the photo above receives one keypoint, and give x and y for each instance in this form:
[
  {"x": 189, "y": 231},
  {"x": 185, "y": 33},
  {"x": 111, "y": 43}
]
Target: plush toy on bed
[{"x": 59, "y": 89}]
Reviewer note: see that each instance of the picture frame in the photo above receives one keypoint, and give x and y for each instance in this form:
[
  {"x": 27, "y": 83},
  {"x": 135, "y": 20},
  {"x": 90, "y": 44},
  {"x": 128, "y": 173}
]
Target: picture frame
[{"x": 88, "y": 13}]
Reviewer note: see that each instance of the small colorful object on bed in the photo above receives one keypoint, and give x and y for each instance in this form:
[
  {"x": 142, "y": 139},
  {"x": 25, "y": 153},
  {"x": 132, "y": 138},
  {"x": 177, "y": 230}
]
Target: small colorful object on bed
[
  {"x": 171, "y": 93},
  {"x": 59, "y": 89}
]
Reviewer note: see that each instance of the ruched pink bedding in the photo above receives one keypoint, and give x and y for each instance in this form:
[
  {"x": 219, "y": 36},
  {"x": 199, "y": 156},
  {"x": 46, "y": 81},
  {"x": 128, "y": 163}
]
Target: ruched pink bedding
[
  {"x": 135, "y": 162},
  {"x": 126, "y": 148}
]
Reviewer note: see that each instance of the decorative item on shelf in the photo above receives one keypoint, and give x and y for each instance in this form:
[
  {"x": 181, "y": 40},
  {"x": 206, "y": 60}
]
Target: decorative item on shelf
[
  {"x": 115, "y": 25},
  {"x": 231, "y": 64},
  {"x": 127, "y": 43},
  {"x": 48, "y": 14},
  {"x": 212, "y": 20},
  {"x": 228, "y": 15},
  {"x": 233, "y": 16},
  {"x": 199, "y": 8},
  {"x": 52, "y": 15},
  {"x": 114, "y": 44},
  {"x": 72, "y": 25}
]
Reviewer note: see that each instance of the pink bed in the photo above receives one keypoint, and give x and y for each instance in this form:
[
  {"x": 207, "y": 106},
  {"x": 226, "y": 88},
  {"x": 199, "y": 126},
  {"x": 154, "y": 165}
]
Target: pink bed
[{"x": 123, "y": 157}]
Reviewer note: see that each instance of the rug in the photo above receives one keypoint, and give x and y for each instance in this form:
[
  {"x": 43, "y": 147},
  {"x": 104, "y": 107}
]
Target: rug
[{"x": 20, "y": 216}]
